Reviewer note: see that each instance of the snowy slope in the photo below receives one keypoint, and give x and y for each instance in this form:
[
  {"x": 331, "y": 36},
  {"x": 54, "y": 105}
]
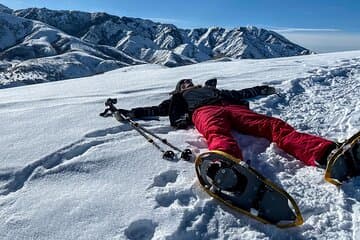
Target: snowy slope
[
  {"x": 66, "y": 173},
  {"x": 5, "y": 9}
]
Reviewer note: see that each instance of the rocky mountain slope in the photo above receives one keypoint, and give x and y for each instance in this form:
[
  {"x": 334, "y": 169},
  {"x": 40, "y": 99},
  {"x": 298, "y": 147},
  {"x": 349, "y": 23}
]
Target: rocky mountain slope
[
  {"x": 33, "y": 52},
  {"x": 54, "y": 45}
]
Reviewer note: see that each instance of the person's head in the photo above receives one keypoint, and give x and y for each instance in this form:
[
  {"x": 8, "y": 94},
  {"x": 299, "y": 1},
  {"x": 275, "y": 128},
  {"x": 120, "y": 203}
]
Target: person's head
[
  {"x": 182, "y": 85},
  {"x": 185, "y": 84}
]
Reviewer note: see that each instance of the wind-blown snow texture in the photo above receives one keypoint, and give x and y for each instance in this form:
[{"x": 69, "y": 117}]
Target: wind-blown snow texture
[
  {"x": 66, "y": 173},
  {"x": 41, "y": 45}
]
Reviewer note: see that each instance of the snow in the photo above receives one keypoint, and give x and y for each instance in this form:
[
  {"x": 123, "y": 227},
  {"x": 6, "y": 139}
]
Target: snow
[
  {"x": 11, "y": 33},
  {"x": 67, "y": 173}
]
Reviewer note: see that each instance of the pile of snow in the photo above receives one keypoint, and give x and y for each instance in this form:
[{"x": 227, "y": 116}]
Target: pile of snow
[{"x": 67, "y": 173}]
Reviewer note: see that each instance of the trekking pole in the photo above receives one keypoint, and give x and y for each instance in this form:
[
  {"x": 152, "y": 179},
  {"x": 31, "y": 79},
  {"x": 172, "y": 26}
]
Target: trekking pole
[
  {"x": 166, "y": 154},
  {"x": 163, "y": 140},
  {"x": 185, "y": 154}
]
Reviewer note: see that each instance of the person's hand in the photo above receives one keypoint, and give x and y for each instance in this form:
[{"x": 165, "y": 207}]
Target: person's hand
[
  {"x": 182, "y": 123},
  {"x": 266, "y": 90}
]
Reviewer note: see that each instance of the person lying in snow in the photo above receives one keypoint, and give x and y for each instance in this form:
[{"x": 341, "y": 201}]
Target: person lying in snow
[{"x": 215, "y": 113}]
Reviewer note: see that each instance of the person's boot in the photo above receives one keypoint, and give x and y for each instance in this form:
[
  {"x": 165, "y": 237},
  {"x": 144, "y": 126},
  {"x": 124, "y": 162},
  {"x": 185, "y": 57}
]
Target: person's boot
[
  {"x": 322, "y": 163},
  {"x": 225, "y": 177}
]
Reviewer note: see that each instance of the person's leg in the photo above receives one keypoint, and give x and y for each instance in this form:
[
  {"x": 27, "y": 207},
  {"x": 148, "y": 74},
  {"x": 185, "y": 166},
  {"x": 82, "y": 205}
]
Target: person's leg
[
  {"x": 305, "y": 147},
  {"x": 214, "y": 124}
]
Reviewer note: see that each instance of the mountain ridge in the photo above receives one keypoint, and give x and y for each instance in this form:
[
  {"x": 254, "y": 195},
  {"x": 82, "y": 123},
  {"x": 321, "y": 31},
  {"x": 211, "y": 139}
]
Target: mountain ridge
[{"x": 111, "y": 42}]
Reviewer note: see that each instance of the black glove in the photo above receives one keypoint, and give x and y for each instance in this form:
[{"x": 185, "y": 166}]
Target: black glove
[
  {"x": 211, "y": 83},
  {"x": 182, "y": 123},
  {"x": 266, "y": 90}
]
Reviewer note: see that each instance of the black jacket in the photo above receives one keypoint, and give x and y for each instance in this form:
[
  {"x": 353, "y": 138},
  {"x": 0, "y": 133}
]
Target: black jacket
[{"x": 181, "y": 105}]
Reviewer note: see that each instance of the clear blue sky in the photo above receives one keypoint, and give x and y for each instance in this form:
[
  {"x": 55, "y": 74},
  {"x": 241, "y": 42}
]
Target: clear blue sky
[{"x": 337, "y": 19}]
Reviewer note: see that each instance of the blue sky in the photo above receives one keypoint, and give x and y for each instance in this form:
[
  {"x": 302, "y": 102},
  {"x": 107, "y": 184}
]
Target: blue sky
[{"x": 322, "y": 25}]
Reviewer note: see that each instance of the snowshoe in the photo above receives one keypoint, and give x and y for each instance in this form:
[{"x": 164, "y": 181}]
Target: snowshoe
[
  {"x": 237, "y": 185},
  {"x": 344, "y": 162},
  {"x": 223, "y": 177}
]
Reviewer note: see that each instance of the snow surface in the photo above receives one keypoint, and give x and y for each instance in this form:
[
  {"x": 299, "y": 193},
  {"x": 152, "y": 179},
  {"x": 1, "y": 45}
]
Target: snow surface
[{"x": 66, "y": 173}]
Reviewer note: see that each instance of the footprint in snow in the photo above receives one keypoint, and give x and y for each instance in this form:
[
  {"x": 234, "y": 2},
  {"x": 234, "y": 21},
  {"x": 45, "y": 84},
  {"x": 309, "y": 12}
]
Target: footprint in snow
[
  {"x": 183, "y": 198},
  {"x": 164, "y": 178},
  {"x": 196, "y": 221},
  {"x": 141, "y": 229},
  {"x": 165, "y": 199}
]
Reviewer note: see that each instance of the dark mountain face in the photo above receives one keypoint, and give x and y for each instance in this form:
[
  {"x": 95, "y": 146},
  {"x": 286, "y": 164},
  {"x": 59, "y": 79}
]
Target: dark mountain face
[{"x": 5, "y": 9}]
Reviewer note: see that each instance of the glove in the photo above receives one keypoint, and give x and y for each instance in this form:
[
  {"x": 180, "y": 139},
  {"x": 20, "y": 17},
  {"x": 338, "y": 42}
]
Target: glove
[
  {"x": 266, "y": 90},
  {"x": 211, "y": 83},
  {"x": 182, "y": 123}
]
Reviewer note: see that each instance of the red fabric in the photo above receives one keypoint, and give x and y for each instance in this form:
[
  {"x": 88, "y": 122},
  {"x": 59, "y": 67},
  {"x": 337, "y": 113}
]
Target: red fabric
[{"x": 216, "y": 122}]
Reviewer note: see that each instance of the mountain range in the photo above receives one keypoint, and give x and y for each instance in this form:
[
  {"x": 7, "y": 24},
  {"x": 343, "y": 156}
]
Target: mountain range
[{"x": 40, "y": 45}]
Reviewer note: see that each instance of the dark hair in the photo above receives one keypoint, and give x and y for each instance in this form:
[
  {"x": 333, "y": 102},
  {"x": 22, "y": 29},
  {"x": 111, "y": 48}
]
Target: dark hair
[{"x": 178, "y": 85}]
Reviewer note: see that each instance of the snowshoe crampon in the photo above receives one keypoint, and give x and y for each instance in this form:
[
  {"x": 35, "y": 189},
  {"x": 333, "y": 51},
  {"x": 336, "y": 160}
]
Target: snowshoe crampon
[
  {"x": 344, "y": 163},
  {"x": 237, "y": 185}
]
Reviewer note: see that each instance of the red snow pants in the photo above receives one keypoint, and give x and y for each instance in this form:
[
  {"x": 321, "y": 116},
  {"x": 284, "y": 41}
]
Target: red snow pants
[{"x": 215, "y": 123}]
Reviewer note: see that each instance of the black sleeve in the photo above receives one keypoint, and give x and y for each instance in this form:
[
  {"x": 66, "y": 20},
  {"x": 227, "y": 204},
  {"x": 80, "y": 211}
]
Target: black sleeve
[
  {"x": 178, "y": 114},
  {"x": 160, "y": 110},
  {"x": 243, "y": 93}
]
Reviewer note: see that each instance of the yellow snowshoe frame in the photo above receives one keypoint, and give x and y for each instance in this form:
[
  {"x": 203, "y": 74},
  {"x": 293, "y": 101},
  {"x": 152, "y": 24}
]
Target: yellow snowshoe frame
[
  {"x": 299, "y": 219},
  {"x": 351, "y": 141}
]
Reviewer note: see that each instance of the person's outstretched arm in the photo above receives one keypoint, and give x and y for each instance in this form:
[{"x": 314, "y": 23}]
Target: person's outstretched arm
[
  {"x": 139, "y": 112},
  {"x": 248, "y": 92}
]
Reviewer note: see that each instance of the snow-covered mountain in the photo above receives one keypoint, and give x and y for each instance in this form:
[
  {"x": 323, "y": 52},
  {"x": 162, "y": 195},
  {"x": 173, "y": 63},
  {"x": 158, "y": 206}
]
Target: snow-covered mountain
[
  {"x": 32, "y": 52},
  {"x": 150, "y": 41},
  {"x": 5, "y": 9},
  {"x": 66, "y": 173},
  {"x": 40, "y": 45}
]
